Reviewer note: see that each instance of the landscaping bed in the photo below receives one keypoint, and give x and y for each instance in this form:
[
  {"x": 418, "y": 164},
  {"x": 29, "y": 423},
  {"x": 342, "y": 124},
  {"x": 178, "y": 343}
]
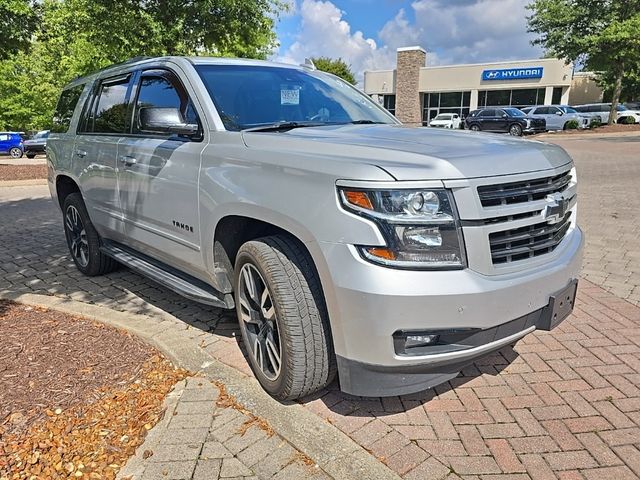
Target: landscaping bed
[
  {"x": 76, "y": 397},
  {"x": 22, "y": 172},
  {"x": 615, "y": 128}
]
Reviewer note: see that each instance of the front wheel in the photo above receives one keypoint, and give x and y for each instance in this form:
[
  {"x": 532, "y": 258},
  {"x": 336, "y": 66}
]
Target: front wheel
[
  {"x": 283, "y": 318},
  {"x": 15, "y": 152},
  {"x": 31, "y": 155},
  {"x": 475, "y": 128},
  {"x": 515, "y": 130}
]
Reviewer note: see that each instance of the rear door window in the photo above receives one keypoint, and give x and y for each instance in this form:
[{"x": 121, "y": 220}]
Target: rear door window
[
  {"x": 109, "y": 113},
  {"x": 65, "y": 108},
  {"x": 542, "y": 111},
  {"x": 488, "y": 113}
]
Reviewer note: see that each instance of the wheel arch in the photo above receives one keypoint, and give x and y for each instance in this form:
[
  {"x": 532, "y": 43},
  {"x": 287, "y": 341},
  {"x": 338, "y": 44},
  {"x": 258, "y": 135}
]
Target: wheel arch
[{"x": 65, "y": 185}]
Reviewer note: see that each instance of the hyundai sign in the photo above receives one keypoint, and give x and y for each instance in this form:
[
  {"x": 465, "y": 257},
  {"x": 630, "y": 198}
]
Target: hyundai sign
[{"x": 512, "y": 73}]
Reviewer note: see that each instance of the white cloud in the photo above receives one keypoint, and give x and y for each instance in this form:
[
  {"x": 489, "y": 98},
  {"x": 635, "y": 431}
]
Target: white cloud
[
  {"x": 324, "y": 32},
  {"x": 464, "y": 31}
]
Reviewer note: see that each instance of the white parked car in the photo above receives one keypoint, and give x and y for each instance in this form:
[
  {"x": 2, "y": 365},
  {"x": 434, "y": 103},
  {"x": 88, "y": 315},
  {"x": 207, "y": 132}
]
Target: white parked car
[
  {"x": 446, "y": 120},
  {"x": 558, "y": 116},
  {"x": 602, "y": 109}
]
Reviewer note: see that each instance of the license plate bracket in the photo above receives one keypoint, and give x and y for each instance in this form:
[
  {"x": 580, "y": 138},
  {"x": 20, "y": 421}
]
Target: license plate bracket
[{"x": 560, "y": 306}]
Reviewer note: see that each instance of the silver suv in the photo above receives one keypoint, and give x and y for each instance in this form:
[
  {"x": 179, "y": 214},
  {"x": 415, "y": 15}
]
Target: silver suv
[{"x": 345, "y": 242}]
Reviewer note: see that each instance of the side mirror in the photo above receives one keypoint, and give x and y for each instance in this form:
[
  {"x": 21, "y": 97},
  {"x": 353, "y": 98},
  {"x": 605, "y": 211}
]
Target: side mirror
[
  {"x": 504, "y": 115},
  {"x": 165, "y": 120},
  {"x": 559, "y": 113}
]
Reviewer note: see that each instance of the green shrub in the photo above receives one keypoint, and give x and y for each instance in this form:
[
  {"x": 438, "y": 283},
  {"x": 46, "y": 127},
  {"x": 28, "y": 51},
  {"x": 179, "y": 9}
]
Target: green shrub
[
  {"x": 571, "y": 125},
  {"x": 627, "y": 121},
  {"x": 595, "y": 123}
]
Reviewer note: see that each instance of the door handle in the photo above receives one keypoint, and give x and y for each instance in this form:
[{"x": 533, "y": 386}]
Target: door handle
[
  {"x": 81, "y": 153},
  {"x": 128, "y": 160}
]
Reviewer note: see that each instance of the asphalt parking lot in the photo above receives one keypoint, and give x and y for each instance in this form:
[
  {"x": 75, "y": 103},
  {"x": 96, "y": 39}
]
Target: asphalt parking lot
[{"x": 564, "y": 404}]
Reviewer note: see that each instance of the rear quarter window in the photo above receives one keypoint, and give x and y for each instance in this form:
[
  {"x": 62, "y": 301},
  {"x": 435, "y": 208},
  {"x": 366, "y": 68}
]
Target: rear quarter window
[{"x": 65, "y": 108}]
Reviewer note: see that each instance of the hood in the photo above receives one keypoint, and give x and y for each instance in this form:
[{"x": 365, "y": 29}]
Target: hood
[{"x": 416, "y": 153}]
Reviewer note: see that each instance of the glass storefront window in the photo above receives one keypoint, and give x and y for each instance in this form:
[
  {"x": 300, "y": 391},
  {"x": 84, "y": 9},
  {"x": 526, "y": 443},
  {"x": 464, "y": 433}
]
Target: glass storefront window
[
  {"x": 445, "y": 102},
  {"x": 557, "y": 96},
  {"x": 389, "y": 102},
  {"x": 518, "y": 97}
]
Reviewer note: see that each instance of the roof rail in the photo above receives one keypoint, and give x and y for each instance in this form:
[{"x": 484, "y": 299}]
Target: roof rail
[
  {"x": 119, "y": 64},
  {"x": 308, "y": 63}
]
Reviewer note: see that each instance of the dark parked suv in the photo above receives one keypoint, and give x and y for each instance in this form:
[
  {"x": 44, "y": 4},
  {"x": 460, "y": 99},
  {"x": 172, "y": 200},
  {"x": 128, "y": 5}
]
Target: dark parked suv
[{"x": 509, "y": 120}]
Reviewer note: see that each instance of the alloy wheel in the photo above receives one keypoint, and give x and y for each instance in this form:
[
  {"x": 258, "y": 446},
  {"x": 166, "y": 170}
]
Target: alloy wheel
[
  {"x": 15, "y": 153},
  {"x": 77, "y": 236},
  {"x": 258, "y": 315},
  {"x": 515, "y": 130}
]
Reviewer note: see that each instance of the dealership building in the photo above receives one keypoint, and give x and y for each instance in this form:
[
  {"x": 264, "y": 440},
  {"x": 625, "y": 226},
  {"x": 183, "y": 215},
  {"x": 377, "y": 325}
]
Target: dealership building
[{"x": 415, "y": 92}]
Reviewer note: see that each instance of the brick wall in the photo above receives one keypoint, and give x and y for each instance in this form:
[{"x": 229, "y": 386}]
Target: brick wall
[{"x": 408, "y": 104}]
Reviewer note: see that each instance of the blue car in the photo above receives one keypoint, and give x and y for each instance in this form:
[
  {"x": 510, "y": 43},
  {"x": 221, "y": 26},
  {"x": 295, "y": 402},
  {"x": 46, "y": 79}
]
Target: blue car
[{"x": 11, "y": 143}]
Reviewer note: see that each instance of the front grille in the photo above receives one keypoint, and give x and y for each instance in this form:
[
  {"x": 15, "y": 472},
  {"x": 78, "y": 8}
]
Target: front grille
[
  {"x": 527, "y": 242},
  {"x": 521, "y": 192}
]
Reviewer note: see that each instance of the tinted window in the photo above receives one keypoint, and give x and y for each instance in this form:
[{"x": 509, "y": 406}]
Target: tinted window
[
  {"x": 528, "y": 110},
  {"x": 250, "y": 96},
  {"x": 111, "y": 110},
  {"x": 554, "y": 110},
  {"x": 557, "y": 95},
  {"x": 568, "y": 110},
  {"x": 64, "y": 110},
  {"x": 488, "y": 113},
  {"x": 542, "y": 111},
  {"x": 162, "y": 89},
  {"x": 513, "y": 112},
  {"x": 594, "y": 108}
]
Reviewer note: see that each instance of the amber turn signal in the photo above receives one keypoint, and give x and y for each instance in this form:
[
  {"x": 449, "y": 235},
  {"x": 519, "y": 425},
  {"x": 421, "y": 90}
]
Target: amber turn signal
[
  {"x": 382, "y": 252},
  {"x": 358, "y": 198}
]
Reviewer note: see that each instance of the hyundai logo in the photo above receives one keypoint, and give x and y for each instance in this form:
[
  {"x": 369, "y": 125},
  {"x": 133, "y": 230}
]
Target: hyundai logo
[
  {"x": 556, "y": 208},
  {"x": 493, "y": 74}
]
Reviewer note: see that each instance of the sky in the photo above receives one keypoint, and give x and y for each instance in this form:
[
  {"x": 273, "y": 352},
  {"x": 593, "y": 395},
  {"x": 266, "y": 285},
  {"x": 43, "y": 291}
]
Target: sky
[{"x": 367, "y": 33}]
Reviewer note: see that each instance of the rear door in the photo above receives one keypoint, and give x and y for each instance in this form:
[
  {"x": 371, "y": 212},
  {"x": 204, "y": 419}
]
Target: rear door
[
  {"x": 158, "y": 176},
  {"x": 103, "y": 124},
  {"x": 501, "y": 121},
  {"x": 487, "y": 119},
  {"x": 555, "y": 118}
]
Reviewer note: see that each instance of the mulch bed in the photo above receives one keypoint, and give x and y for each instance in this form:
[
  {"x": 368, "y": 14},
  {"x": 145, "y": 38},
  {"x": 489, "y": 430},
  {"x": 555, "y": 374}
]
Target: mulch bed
[
  {"x": 22, "y": 172},
  {"x": 615, "y": 128},
  {"x": 76, "y": 397}
]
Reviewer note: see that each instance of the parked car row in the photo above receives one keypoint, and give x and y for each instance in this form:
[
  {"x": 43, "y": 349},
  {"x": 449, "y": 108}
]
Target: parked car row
[
  {"x": 14, "y": 145},
  {"x": 510, "y": 120}
]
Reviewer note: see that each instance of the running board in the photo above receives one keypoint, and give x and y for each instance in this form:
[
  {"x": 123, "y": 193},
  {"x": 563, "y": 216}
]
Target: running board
[{"x": 182, "y": 284}]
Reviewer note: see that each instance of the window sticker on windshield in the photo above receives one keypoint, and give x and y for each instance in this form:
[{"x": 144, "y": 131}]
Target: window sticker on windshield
[{"x": 290, "y": 97}]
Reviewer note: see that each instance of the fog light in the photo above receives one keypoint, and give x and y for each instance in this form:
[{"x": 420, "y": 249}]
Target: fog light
[{"x": 413, "y": 341}]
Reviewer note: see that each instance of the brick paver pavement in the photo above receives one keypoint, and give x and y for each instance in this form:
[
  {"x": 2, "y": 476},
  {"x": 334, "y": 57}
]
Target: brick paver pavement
[
  {"x": 609, "y": 209},
  {"x": 201, "y": 440},
  {"x": 564, "y": 404}
]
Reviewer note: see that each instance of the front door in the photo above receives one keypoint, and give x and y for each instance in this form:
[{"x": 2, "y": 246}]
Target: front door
[{"x": 158, "y": 178}]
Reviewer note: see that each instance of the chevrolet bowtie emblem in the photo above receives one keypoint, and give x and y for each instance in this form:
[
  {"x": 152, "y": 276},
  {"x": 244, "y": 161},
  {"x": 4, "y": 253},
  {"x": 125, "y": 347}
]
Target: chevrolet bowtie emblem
[{"x": 556, "y": 208}]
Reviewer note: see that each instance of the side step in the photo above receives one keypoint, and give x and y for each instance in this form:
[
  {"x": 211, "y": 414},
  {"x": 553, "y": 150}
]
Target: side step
[{"x": 182, "y": 284}]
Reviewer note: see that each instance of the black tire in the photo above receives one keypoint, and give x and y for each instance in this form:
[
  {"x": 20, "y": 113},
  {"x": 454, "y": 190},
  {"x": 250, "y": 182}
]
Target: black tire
[
  {"x": 307, "y": 361},
  {"x": 515, "y": 130},
  {"x": 31, "y": 155},
  {"x": 91, "y": 261},
  {"x": 15, "y": 152},
  {"x": 475, "y": 127}
]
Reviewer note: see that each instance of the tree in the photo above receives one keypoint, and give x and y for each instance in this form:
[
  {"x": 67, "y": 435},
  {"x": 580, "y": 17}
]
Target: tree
[
  {"x": 76, "y": 37},
  {"x": 18, "y": 20},
  {"x": 336, "y": 66},
  {"x": 601, "y": 34}
]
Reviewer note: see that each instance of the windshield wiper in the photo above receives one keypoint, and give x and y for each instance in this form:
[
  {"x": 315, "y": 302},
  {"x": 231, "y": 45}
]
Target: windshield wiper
[
  {"x": 365, "y": 122},
  {"x": 282, "y": 126}
]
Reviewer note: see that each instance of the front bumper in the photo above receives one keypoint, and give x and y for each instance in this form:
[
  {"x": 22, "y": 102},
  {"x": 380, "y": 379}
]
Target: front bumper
[
  {"x": 535, "y": 129},
  {"x": 373, "y": 302}
]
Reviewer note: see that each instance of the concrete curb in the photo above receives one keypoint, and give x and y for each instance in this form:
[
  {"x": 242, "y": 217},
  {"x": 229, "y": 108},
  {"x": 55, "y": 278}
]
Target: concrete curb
[
  {"x": 23, "y": 183},
  {"x": 338, "y": 455},
  {"x": 582, "y": 136}
]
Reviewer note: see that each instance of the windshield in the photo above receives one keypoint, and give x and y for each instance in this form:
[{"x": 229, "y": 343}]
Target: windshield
[
  {"x": 514, "y": 112},
  {"x": 443, "y": 117},
  {"x": 249, "y": 96},
  {"x": 568, "y": 110},
  {"x": 43, "y": 134}
]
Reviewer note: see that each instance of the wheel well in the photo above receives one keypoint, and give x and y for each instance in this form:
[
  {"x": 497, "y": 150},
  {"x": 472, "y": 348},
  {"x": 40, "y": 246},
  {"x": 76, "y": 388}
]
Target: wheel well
[
  {"x": 230, "y": 234},
  {"x": 65, "y": 186}
]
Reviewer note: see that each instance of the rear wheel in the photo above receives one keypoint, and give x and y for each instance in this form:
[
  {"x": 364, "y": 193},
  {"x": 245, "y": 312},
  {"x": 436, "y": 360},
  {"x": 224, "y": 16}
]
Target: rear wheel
[
  {"x": 515, "y": 130},
  {"x": 15, "y": 152},
  {"x": 475, "y": 127},
  {"x": 283, "y": 318},
  {"x": 31, "y": 155},
  {"x": 83, "y": 239}
]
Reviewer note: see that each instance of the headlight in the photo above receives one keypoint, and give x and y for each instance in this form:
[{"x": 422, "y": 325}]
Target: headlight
[{"x": 421, "y": 227}]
